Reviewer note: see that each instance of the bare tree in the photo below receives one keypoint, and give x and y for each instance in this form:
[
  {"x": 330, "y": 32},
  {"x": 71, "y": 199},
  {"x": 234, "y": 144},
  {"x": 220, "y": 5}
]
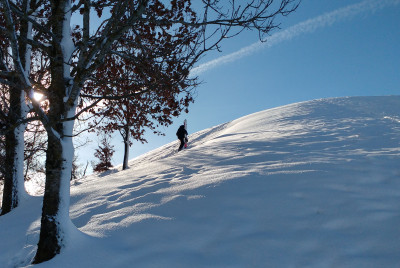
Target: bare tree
[
  {"x": 15, "y": 53},
  {"x": 162, "y": 39}
]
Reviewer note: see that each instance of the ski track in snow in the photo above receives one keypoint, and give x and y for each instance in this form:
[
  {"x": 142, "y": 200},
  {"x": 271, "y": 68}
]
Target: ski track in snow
[{"x": 312, "y": 184}]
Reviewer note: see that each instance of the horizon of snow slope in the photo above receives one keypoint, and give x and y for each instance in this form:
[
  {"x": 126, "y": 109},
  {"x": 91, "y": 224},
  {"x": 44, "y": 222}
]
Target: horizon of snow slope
[{"x": 311, "y": 184}]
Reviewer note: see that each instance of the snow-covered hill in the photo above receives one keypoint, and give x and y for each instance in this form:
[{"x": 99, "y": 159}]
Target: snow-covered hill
[{"x": 312, "y": 184}]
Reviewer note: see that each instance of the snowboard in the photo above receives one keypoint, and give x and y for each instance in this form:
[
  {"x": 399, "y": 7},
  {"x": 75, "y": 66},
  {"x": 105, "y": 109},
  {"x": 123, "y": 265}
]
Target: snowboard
[{"x": 186, "y": 138}]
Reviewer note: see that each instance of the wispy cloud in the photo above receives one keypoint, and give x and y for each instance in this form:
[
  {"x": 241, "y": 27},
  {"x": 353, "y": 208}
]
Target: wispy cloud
[{"x": 304, "y": 27}]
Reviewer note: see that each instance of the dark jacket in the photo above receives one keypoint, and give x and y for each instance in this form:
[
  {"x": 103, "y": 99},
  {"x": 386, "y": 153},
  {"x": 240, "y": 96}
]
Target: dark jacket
[{"x": 181, "y": 133}]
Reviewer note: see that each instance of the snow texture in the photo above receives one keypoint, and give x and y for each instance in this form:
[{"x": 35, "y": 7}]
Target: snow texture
[{"x": 312, "y": 184}]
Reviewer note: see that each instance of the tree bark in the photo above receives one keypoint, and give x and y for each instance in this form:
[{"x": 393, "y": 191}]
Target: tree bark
[
  {"x": 55, "y": 212},
  {"x": 14, "y": 189},
  {"x": 55, "y": 221},
  {"x": 49, "y": 245}
]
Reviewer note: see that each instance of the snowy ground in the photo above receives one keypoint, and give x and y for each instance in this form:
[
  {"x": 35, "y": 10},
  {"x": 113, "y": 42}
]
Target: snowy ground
[{"x": 313, "y": 184}]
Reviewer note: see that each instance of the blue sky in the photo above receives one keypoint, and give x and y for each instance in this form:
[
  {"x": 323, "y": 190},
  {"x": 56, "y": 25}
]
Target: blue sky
[{"x": 327, "y": 48}]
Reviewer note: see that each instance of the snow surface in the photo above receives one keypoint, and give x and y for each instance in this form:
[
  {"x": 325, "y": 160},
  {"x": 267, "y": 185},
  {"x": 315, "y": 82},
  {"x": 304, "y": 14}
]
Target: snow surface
[{"x": 312, "y": 184}]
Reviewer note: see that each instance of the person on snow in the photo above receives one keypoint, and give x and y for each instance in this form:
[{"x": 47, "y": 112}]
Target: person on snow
[{"x": 182, "y": 136}]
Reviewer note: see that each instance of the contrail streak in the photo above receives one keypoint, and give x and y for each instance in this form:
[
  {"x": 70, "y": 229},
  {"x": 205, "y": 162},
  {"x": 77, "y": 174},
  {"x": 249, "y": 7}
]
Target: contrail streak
[{"x": 307, "y": 26}]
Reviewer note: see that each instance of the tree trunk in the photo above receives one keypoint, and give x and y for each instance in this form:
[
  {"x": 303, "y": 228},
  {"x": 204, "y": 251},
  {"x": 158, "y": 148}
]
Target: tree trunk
[
  {"x": 49, "y": 245},
  {"x": 14, "y": 190},
  {"x": 55, "y": 221},
  {"x": 126, "y": 149}
]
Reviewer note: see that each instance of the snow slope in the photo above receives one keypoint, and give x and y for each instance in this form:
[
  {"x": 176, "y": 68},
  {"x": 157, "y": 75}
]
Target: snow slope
[{"x": 312, "y": 184}]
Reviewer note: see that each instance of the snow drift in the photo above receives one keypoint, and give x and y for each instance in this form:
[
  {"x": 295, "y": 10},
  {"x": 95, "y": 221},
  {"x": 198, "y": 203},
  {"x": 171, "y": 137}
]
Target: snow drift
[{"x": 312, "y": 184}]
